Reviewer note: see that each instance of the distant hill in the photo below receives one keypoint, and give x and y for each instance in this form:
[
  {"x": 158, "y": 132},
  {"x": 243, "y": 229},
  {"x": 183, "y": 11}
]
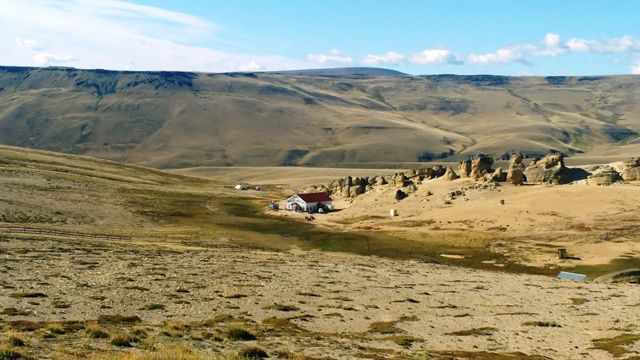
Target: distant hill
[
  {"x": 348, "y": 71},
  {"x": 332, "y": 117}
]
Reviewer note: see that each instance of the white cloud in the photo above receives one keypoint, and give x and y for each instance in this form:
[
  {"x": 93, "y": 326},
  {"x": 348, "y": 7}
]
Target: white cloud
[
  {"x": 635, "y": 69},
  {"x": 115, "y": 34},
  {"x": 334, "y": 56},
  {"x": 435, "y": 57},
  {"x": 622, "y": 44},
  {"x": 503, "y": 56},
  {"x": 390, "y": 57},
  {"x": 46, "y": 59},
  {"x": 552, "y": 46},
  {"x": 577, "y": 45},
  {"x": 552, "y": 40},
  {"x": 28, "y": 43},
  {"x": 604, "y": 46},
  {"x": 252, "y": 66}
]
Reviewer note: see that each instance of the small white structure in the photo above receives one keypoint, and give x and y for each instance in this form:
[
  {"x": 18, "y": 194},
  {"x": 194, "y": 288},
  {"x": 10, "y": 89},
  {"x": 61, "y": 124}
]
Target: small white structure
[
  {"x": 239, "y": 187},
  {"x": 310, "y": 202},
  {"x": 393, "y": 212}
]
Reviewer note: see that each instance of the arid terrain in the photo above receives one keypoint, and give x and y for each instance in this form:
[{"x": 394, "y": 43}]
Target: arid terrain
[{"x": 111, "y": 261}]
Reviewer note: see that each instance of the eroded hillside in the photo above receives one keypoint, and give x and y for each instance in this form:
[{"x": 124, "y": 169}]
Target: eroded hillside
[{"x": 169, "y": 119}]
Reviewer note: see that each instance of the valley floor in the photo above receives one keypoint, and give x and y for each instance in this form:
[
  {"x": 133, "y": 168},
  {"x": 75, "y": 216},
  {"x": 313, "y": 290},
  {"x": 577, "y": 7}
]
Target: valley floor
[
  {"x": 320, "y": 305},
  {"x": 151, "y": 265}
]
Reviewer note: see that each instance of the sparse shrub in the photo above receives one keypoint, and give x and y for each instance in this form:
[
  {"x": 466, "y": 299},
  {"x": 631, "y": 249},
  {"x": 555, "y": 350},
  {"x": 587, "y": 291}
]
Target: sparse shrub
[
  {"x": 240, "y": 334},
  {"x": 139, "y": 333},
  {"x": 122, "y": 340},
  {"x": 56, "y": 329},
  {"x": 9, "y": 353},
  {"x": 14, "y": 312},
  {"x": 618, "y": 346},
  {"x": 235, "y": 296},
  {"x": 542, "y": 323},
  {"x": 118, "y": 319},
  {"x": 483, "y": 331},
  {"x": 403, "y": 340},
  {"x": 253, "y": 352},
  {"x": 15, "y": 340},
  {"x": 153, "y": 307},
  {"x": 60, "y": 305},
  {"x": 283, "y": 354},
  {"x": 384, "y": 327},
  {"x": 28, "y": 295},
  {"x": 96, "y": 332},
  {"x": 285, "y": 308}
]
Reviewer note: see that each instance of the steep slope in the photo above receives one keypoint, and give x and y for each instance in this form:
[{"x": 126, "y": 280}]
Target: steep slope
[{"x": 171, "y": 120}]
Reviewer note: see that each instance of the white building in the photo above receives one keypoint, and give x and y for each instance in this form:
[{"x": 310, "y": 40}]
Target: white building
[{"x": 311, "y": 202}]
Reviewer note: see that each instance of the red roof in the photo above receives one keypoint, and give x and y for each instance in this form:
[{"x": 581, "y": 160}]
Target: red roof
[{"x": 315, "y": 197}]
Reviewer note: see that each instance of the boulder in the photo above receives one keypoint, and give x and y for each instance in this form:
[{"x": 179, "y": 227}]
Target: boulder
[
  {"x": 346, "y": 187},
  {"x": 465, "y": 169},
  {"x": 449, "y": 174},
  {"x": 480, "y": 166},
  {"x": 400, "y": 181},
  {"x": 515, "y": 174},
  {"x": 437, "y": 171},
  {"x": 400, "y": 195},
  {"x": 605, "y": 175},
  {"x": 498, "y": 175},
  {"x": 551, "y": 170},
  {"x": 630, "y": 170}
]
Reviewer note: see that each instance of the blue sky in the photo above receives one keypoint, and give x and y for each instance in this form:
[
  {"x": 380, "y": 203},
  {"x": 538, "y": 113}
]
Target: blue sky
[{"x": 418, "y": 37}]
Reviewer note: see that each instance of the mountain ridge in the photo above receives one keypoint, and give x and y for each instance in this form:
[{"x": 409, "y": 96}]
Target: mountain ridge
[{"x": 183, "y": 119}]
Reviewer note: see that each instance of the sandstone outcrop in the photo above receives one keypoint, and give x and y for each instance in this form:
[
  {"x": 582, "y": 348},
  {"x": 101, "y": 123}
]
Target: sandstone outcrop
[
  {"x": 630, "y": 170},
  {"x": 515, "y": 174},
  {"x": 605, "y": 175},
  {"x": 551, "y": 170},
  {"x": 465, "y": 169},
  {"x": 450, "y": 174},
  {"x": 480, "y": 166},
  {"x": 548, "y": 170}
]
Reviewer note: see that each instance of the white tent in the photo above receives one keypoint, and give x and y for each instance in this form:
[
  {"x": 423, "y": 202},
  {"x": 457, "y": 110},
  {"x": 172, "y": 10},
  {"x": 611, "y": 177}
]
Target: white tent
[{"x": 239, "y": 187}]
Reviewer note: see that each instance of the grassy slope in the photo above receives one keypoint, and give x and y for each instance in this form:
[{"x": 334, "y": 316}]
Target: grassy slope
[
  {"x": 184, "y": 120},
  {"x": 65, "y": 192}
]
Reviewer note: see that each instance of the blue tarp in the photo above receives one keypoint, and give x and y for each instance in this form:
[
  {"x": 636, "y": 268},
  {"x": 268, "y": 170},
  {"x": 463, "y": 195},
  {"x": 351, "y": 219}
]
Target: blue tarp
[{"x": 571, "y": 276}]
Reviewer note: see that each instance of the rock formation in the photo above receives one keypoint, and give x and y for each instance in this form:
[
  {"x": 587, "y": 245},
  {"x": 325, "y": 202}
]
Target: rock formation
[
  {"x": 605, "y": 175},
  {"x": 480, "y": 166},
  {"x": 498, "y": 176},
  {"x": 630, "y": 170},
  {"x": 465, "y": 169},
  {"x": 515, "y": 174},
  {"x": 400, "y": 180},
  {"x": 548, "y": 170},
  {"x": 400, "y": 195},
  {"x": 449, "y": 174}
]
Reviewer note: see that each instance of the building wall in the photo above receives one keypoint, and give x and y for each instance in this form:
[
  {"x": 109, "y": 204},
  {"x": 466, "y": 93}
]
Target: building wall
[{"x": 306, "y": 206}]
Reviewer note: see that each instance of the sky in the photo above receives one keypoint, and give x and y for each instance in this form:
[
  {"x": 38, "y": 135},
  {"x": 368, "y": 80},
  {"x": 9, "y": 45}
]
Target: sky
[{"x": 506, "y": 37}]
